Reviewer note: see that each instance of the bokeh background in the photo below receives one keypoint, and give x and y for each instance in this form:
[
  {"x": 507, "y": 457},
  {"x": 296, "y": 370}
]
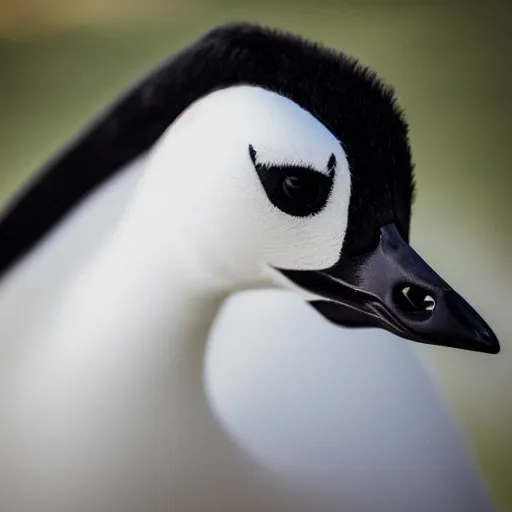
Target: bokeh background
[{"x": 62, "y": 61}]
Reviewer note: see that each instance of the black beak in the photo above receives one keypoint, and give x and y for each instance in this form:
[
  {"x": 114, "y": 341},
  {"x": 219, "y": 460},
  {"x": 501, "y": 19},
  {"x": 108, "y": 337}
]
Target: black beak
[{"x": 393, "y": 288}]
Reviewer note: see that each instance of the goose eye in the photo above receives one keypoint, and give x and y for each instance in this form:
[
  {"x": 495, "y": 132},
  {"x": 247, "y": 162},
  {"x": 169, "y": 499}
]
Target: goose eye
[
  {"x": 295, "y": 190},
  {"x": 299, "y": 191}
]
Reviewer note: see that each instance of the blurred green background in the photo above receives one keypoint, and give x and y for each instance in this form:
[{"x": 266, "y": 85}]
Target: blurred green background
[{"x": 62, "y": 61}]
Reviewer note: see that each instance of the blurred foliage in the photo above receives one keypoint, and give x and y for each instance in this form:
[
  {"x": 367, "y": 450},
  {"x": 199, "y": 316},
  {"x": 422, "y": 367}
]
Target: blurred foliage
[{"x": 61, "y": 62}]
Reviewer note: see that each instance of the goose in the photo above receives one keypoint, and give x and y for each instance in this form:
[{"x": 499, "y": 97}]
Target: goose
[{"x": 252, "y": 159}]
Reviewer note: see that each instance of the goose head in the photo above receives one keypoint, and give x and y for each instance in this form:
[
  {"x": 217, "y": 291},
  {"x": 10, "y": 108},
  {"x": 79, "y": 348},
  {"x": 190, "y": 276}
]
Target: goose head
[
  {"x": 273, "y": 197},
  {"x": 272, "y": 160}
]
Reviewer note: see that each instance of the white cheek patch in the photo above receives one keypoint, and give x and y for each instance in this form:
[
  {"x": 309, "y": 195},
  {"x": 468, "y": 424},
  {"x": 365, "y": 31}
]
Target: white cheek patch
[
  {"x": 306, "y": 243},
  {"x": 223, "y": 214},
  {"x": 310, "y": 243}
]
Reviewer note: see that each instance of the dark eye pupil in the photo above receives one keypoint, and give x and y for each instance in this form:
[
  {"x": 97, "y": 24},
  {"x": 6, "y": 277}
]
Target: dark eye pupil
[{"x": 298, "y": 190}]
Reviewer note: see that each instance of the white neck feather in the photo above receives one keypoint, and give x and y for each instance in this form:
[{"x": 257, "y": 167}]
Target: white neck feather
[
  {"x": 117, "y": 393},
  {"x": 116, "y": 379}
]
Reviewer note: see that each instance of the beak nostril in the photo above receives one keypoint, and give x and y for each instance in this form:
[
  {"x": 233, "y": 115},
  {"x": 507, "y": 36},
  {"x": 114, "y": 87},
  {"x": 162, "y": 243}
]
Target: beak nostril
[
  {"x": 430, "y": 303},
  {"x": 413, "y": 300}
]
